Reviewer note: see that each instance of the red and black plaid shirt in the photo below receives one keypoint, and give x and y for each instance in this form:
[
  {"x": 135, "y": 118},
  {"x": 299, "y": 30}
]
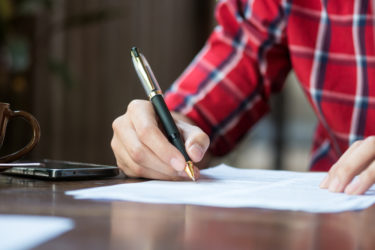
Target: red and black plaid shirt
[{"x": 330, "y": 46}]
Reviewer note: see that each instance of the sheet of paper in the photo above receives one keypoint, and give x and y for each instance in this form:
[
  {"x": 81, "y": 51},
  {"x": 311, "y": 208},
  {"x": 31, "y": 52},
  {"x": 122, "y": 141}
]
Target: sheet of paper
[
  {"x": 224, "y": 186},
  {"x": 26, "y": 232}
]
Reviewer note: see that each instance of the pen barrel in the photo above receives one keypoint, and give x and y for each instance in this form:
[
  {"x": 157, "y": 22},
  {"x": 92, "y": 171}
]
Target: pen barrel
[{"x": 168, "y": 123}]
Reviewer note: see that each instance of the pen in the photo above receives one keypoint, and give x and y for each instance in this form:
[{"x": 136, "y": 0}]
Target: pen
[{"x": 155, "y": 95}]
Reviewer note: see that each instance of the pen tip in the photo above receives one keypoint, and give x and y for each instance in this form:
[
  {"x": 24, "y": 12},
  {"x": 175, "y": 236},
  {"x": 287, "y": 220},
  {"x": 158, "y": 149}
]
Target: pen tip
[{"x": 189, "y": 169}]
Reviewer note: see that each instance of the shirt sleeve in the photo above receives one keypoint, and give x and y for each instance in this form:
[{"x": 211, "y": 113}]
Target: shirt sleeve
[{"x": 226, "y": 88}]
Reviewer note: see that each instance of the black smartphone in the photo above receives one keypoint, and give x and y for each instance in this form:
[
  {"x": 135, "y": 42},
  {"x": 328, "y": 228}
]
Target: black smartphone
[{"x": 60, "y": 170}]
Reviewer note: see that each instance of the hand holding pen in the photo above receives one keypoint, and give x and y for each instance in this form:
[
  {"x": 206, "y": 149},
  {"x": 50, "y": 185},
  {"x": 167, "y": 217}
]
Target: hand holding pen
[{"x": 142, "y": 149}]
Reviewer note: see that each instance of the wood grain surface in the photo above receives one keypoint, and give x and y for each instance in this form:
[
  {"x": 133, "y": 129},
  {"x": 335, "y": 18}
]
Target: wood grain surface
[{"x": 130, "y": 225}]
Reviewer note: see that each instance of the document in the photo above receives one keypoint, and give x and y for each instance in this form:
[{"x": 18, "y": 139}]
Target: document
[
  {"x": 225, "y": 186},
  {"x": 26, "y": 232}
]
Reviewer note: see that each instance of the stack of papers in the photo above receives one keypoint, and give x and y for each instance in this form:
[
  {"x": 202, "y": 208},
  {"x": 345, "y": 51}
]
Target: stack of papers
[{"x": 224, "y": 186}]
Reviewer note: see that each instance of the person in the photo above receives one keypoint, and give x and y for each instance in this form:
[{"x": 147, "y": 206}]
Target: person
[{"x": 331, "y": 47}]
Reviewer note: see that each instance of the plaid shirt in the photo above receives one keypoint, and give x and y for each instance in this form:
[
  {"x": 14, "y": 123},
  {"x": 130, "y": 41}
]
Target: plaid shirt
[{"x": 330, "y": 46}]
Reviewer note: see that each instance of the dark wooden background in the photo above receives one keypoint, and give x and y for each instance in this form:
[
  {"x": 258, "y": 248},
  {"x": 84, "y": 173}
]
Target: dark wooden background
[{"x": 76, "y": 119}]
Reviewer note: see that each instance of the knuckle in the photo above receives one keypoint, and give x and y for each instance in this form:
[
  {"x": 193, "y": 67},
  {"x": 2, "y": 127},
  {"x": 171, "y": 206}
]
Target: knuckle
[
  {"x": 341, "y": 173},
  {"x": 121, "y": 166},
  {"x": 138, "y": 170},
  {"x": 121, "y": 123},
  {"x": 115, "y": 124},
  {"x": 134, "y": 105},
  {"x": 144, "y": 131},
  {"x": 334, "y": 168},
  {"x": 137, "y": 153},
  {"x": 113, "y": 144},
  {"x": 129, "y": 168}
]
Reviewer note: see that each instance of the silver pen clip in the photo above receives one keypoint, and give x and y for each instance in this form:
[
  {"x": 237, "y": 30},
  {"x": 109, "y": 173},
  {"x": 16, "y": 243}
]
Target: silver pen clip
[{"x": 145, "y": 74}]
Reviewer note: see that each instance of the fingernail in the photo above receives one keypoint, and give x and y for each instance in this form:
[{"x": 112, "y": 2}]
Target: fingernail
[
  {"x": 323, "y": 184},
  {"x": 197, "y": 151},
  {"x": 334, "y": 186},
  {"x": 177, "y": 164},
  {"x": 352, "y": 187}
]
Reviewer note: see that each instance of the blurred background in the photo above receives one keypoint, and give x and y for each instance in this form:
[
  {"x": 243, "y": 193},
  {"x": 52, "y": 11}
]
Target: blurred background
[{"x": 68, "y": 63}]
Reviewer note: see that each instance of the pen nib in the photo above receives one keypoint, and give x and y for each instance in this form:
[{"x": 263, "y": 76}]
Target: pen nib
[{"x": 189, "y": 169}]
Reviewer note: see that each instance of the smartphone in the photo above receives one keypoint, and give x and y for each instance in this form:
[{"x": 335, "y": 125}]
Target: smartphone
[{"x": 60, "y": 170}]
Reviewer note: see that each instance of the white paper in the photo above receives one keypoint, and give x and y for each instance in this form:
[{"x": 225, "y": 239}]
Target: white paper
[
  {"x": 26, "y": 232},
  {"x": 224, "y": 186}
]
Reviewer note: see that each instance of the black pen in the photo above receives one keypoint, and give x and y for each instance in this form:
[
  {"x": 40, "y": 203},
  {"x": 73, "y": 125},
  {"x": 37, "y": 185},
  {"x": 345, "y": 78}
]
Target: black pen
[{"x": 155, "y": 95}]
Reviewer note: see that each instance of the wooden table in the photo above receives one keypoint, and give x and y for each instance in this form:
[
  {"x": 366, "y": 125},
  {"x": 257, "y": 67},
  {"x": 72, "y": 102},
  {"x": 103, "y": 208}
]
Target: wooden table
[{"x": 129, "y": 225}]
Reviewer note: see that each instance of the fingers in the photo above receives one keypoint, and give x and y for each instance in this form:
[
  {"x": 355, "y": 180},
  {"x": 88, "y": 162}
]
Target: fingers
[
  {"x": 136, "y": 158},
  {"x": 150, "y": 135},
  {"x": 327, "y": 180},
  {"x": 364, "y": 181},
  {"x": 141, "y": 149},
  {"x": 358, "y": 159},
  {"x": 196, "y": 141}
]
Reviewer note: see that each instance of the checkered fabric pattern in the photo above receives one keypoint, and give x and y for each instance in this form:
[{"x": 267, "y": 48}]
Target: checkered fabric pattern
[{"x": 330, "y": 46}]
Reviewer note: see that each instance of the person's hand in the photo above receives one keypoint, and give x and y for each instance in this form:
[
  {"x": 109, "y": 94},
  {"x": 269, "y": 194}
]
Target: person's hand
[
  {"x": 359, "y": 159},
  {"x": 142, "y": 150}
]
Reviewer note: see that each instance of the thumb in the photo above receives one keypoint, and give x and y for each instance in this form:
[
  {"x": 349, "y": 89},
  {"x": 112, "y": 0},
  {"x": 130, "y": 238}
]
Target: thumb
[{"x": 196, "y": 141}]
